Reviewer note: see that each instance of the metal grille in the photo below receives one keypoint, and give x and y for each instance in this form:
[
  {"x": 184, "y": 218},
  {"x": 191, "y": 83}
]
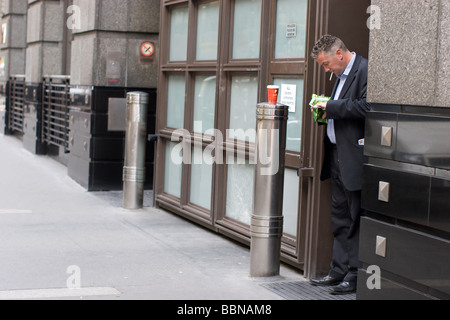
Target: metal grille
[
  {"x": 55, "y": 111},
  {"x": 16, "y": 103},
  {"x": 303, "y": 290}
]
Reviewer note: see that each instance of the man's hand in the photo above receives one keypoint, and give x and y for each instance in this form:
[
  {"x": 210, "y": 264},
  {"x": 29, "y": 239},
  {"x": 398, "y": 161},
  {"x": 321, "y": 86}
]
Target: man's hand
[{"x": 323, "y": 106}]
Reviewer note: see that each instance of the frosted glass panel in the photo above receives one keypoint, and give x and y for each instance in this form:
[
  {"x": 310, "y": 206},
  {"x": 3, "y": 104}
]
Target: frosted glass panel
[
  {"x": 175, "y": 102},
  {"x": 294, "y": 125},
  {"x": 207, "y": 31},
  {"x": 244, "y": 96},
  {"x": 204, "y": 103},
  {"x": 290, "y": 202},
  {"x": 173, "y": 169},
  {"x": 246, "y": 29},
  {"x": 178, "y": 34},
  {"x": 291, "y": 29},
  {"x": 201, "y": 178},
  {"x": 239, "y": 203}
]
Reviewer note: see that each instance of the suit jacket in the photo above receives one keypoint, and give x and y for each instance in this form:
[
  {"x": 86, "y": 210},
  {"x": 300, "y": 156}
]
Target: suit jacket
[{"x": 349, "y": 113}]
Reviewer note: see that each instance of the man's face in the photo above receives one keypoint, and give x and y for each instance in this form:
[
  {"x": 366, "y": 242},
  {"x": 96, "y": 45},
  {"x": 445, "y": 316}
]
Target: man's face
[{"x": 332, "y": 62}]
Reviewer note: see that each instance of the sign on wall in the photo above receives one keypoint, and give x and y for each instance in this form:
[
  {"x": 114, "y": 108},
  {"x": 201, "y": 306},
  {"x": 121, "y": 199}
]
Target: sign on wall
[{"x": 147, "y": 52}]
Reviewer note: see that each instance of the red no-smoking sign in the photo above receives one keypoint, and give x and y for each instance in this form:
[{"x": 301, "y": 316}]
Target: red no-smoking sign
[
  {"x": 147, "y": 49},
  {"x": 147, "y": 52}
]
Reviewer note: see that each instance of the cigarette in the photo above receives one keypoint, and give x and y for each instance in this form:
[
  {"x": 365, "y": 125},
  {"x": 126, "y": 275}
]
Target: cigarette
[{"x": 331, "y": 76}]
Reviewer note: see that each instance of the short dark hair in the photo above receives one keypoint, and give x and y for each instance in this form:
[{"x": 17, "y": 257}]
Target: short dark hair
[{"x": 326, "y": 44}]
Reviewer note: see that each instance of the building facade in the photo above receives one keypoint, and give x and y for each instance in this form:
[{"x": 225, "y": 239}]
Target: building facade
[
  {"x": 221, "y": 55},
  {"x": 66, "y": 68},
  {"x": 67, "y": 65}
]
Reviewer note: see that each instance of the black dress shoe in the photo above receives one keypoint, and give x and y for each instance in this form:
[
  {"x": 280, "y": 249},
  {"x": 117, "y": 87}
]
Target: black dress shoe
[
  {"x": 325, "y": 281},
  {"x": 344, "y": 287}
]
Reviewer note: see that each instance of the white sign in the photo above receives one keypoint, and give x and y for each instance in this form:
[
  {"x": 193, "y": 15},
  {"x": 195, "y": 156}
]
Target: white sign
[
  {"x": 288, "y": 95},
  {"x": 291, "y": 30}
]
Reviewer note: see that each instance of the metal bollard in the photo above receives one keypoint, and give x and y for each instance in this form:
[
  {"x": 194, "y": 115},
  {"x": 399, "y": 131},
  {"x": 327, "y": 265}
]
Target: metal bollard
[
  {"x": 267, "y": 219},
  {"x": 135, "y": 143}
]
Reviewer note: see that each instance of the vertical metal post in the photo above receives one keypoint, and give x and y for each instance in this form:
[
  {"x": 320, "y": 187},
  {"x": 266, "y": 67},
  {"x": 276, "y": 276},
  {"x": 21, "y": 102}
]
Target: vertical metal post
[
  {"x": 135, "y": 143},
  {"x": 267, "y": 220}
]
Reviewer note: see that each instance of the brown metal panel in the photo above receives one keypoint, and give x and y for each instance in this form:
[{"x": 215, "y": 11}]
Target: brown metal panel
[
  {"x": 407, "y": 194},
  {"x": 416, "y": 256},
  {"x": 389, "y": 290}
]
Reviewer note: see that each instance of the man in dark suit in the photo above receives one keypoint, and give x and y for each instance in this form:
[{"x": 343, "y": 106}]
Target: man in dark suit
[{"x": 343, "y": 157}]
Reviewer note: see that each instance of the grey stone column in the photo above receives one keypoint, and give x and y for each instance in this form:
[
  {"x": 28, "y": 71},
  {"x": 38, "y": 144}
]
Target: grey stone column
[
  {"x": 45, "y": 27},
  {"x": 44, "y": 56},
  {"x": 12, "y": 47},
  {"x": 106, "y": 62},
  {"x": 409, "y": 54},
  {"x": 13, "y": 38},
  {"x": 106, "y": 47}
]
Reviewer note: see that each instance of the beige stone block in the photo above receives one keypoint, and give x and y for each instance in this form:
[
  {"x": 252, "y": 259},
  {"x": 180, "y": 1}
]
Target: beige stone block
[{"x": 403, "y": 61}]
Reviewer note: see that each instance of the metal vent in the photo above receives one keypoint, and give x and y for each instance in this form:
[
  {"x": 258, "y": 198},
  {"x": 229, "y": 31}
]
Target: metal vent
[
  {"x": 303, "y": 290},
  {"x": 55, "y": 112},
  {"x": 16, "y": 103}
]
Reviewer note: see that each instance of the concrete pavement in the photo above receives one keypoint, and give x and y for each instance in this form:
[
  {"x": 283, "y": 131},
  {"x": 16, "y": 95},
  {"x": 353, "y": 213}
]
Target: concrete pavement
[
  {"x": 55, "y": 236},
  {"x": 58, "y": 241}
]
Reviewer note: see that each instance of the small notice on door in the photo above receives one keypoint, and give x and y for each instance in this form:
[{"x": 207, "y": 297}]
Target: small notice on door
[
  {"x": 291, "y": 30},
  {"x": 288, "y": 95}
]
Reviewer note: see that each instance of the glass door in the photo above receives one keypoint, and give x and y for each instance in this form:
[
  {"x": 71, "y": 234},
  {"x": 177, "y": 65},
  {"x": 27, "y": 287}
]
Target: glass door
[{"x": 287, "y": 55}]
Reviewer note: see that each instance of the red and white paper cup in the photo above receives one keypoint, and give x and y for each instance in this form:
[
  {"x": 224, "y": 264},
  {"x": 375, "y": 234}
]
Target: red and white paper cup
[{"x": 272, "y": 93}]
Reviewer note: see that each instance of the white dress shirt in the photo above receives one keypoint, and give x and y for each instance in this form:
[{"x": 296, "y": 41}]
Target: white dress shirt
[{"x": 330, "y": 127}]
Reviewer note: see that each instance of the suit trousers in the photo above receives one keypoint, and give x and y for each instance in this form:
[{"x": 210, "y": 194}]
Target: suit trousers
[{"x": 345, "y": 220}]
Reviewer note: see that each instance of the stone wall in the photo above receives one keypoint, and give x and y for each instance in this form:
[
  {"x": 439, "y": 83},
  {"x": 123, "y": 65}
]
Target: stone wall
[
  {"x": 13, "y": 38},
  {"x": 45, "y": 26},
  {"x": 409, "y": 53},
  {"x": 106, "y": 46}
]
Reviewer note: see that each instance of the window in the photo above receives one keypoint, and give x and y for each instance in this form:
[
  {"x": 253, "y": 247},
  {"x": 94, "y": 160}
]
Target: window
[
  {"x": 239, "y": 199},
  {"x": 175, "y": 101},
  {"x": 172, "y": 177},
  {"x": 290, "y": 29},
  {"x": 178, "y": 34},
  {"x": 217, "y": 59},
  {"x": 201, "y": 178},
  {"x": 293, "y": 140},
  {"x": 207, "y": 30},
  {"x": 204, "y": 103},
  {"x": 290, "y": 202},
  {"x": 246, "y": 29},
  {"x": 244, "y": 97}
]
